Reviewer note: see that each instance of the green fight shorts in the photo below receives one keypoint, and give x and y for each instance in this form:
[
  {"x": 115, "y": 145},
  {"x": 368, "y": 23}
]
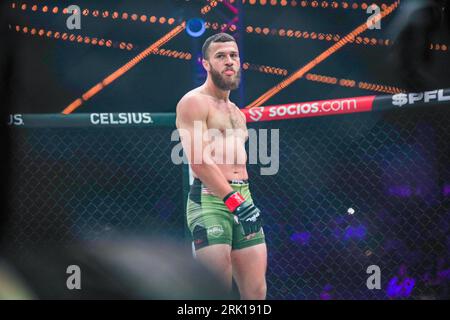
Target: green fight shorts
[{"x": 210, "y": 222}]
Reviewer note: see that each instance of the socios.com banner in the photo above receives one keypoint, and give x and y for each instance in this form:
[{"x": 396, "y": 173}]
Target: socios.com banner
[{"x": 347, "y": 105}]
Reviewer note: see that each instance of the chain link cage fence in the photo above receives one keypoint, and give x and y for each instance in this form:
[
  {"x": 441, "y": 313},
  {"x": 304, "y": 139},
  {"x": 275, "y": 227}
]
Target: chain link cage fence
[
  {"x": 90, "y": 183},
  {"x": 352, "y": 191},
  {"x": 357, "y": 191}
]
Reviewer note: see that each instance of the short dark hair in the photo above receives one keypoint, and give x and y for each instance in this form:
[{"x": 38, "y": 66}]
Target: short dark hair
[{"x": 219, "y": 37}]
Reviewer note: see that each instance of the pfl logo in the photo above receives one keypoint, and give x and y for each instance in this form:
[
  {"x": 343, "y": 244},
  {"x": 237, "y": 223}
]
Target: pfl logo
[
  {"x": 411, "y": 98},
  {"x": 15, "y": 120}
]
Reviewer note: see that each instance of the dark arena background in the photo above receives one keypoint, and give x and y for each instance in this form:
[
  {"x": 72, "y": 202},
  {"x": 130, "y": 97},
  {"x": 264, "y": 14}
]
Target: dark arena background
[{"x": 357, "y": 92}]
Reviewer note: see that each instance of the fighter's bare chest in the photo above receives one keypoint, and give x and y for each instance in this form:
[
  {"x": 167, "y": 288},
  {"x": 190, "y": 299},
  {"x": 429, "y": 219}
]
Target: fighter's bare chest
[{"x": 223, "y": 118}]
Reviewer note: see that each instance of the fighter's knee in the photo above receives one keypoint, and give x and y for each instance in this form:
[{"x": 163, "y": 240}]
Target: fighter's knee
[
  {"x": 255, "y": 292},
  {"x": 260, "y": 292}
]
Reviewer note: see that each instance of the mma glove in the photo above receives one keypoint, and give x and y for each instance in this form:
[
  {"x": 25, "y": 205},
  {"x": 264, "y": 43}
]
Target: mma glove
[{"x": 249, "y": 216}]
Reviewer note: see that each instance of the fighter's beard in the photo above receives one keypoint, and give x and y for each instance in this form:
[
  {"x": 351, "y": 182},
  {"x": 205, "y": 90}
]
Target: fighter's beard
[{"x": 220, "y": 81}]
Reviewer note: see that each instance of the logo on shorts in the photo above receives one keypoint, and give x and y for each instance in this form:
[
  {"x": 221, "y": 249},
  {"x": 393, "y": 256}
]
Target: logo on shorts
[{"x": 215, "y": 231}]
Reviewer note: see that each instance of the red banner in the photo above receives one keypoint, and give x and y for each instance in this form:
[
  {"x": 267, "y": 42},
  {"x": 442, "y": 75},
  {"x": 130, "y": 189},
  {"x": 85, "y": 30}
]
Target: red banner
[{"x": 310, "y": 109}]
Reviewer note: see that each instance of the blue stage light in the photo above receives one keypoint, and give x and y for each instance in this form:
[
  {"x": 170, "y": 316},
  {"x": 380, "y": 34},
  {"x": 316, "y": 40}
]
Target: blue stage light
[{"x": 195, "y": 27}]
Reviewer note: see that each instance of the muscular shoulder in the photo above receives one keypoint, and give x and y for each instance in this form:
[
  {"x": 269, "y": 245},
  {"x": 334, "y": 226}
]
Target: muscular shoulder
[
  {"x": 191, "y": 107},
  {"x": 240, "y": 112}
]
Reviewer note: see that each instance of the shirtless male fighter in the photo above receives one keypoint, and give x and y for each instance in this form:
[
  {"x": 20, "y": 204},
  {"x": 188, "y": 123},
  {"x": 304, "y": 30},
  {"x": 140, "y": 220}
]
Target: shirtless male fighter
[{"x": 226, "y": 226}]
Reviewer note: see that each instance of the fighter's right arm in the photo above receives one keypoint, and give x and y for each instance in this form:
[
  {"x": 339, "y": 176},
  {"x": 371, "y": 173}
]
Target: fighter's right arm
[{"x": 192, "y": 113}]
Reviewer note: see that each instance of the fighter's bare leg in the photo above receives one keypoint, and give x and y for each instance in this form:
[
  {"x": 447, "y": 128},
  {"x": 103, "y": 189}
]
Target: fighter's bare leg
[
  {"x": 217, "y": 258},
  {"x": 249, "y": 271}
]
